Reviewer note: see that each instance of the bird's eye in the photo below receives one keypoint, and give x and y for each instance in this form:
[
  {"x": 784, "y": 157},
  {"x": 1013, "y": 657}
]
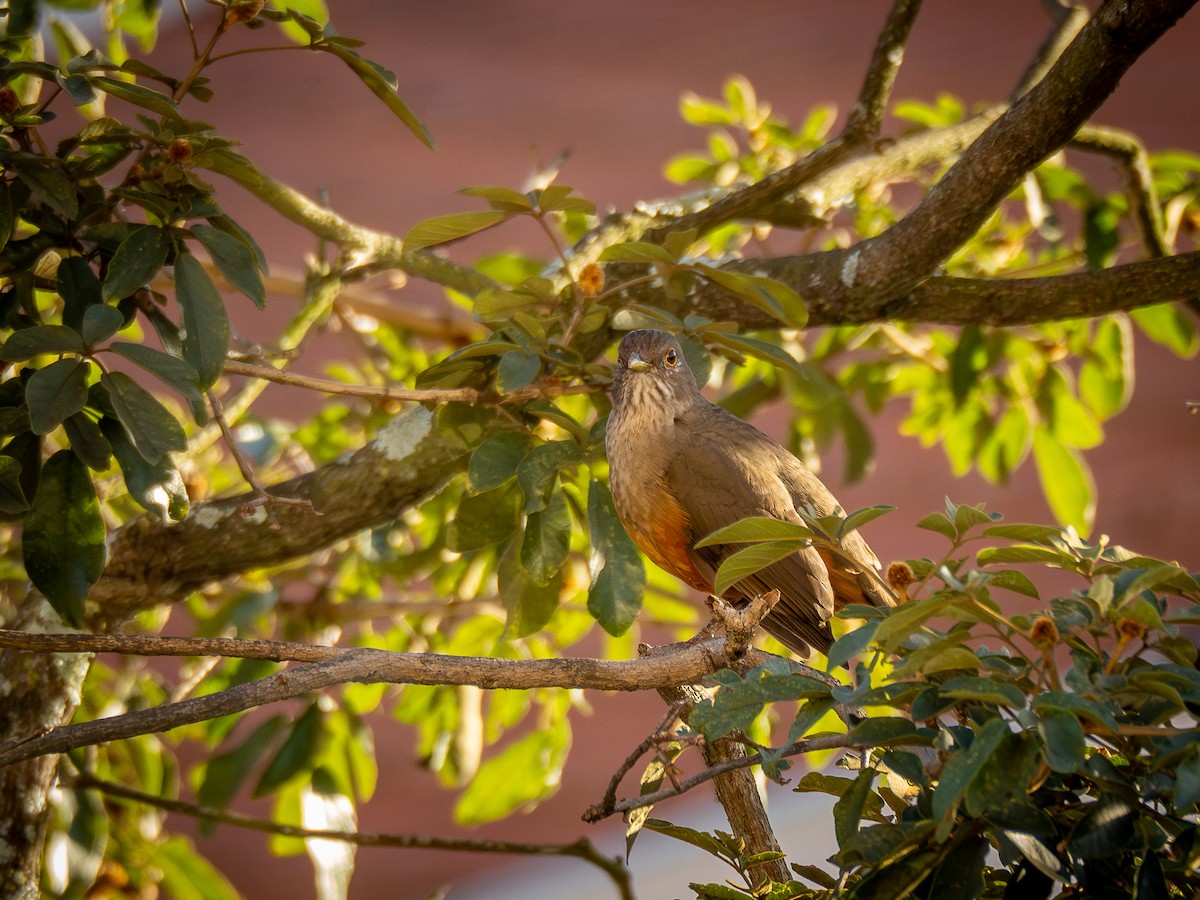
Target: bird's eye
[{"x": 672, "y": 358}]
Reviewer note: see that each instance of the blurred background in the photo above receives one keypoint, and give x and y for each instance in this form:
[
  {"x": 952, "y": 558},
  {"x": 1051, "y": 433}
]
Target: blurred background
[{"x": 505, "y": 87}]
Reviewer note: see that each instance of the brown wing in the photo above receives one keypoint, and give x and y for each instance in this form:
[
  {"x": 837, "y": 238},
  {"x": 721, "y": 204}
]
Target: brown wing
[
  {"x": 850, "y": 568},
  {"x": 722, "y": 474}
]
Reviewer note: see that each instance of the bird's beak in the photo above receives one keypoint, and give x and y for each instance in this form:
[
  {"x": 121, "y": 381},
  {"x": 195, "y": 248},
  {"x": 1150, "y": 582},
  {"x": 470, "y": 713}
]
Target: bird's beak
[{"x": 637, "y": 364}]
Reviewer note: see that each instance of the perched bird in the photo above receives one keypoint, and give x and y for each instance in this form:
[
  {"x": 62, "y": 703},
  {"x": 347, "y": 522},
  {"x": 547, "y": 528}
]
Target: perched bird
[{"x": 681, "y": 467}]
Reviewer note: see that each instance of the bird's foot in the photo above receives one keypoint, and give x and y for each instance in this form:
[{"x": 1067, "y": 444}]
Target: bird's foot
[{"x": 740, "y": 623}]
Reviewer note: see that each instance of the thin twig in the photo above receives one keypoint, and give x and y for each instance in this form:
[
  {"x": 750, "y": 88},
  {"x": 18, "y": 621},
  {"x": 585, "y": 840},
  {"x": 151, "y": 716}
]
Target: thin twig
[
  {"x": 580, "y": 849},
  {"x": 610, "y": 795},
  {"x": 259, "y": 493},
  {"x": 866, "y": 115},
  {"x": 1134, "y": 161},
  {"x": 424, "y": 395},
  {"x": 1069, "y": 20}
]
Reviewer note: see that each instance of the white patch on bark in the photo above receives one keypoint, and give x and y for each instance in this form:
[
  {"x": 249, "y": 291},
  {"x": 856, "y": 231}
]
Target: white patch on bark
[
  {"x": 400, "y": 437},
  {"x": 210, "y": 516},
  {"x": 850, "y": 269}
]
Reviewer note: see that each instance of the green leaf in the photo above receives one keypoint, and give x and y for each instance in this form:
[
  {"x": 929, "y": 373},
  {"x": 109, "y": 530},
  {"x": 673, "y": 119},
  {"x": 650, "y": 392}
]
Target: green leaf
[
  {"x": 383, "y": 85},
  {"x": 618, "y": 574},
  {"x": 759, "y": 349},
  {"x": 1066, "y": 480},
  {"x": 773, "y": 297},
  {"x": 484, "y": 519},
  {"x": 138, "y": 259},
  {"x": 1106, "y": 375},
  {"x": 79, "y": 288},
  {"x": 100, "y": 323},
  {"x": 206, "y": 326},
  {"x": 848, "y": 810},
  {"x": 984, "y": 690},
  {"x": 156, "y": 486},
  {"x": 12, "y": 496},
  {"x": 962, "y": 766},
  {"x": 637, "y": 252},
  {"x": 137, "y": 94},
  {"x": 547, "y": 540},
  {"x": 524, "y": 773},
  {"x": 530, "y": 605},
  {"x": 63, "y": 538},
  {"x": 87, "y": 442},
  {"x": 501, "y": 198},
  {"x": 440, "y": 229},
  {"x": 56, "y": 392},
  {"x": 756, "y": 528},
  {"x": 517, "y": 369},
  {"x": 880, "y": 731},
  {"x": 749, "y": 561},
  {"x": 153, "y": 430},
  {"x": 1187, "y": 780},
  {"x": 297, "y": 755},
  {"x": 938, "y": 522},
  {"x": 54, "y": 188},
  {"x": 1013, "y": 580},
  {"x": 1035, "y": 534},
  {"x": 537, "y": 473},
  {"x": 1168, "y": 325},
  {"x": 495, "y": 461},
  {"x": 1063, "y": 740},
  {"x": 235, "y": 260},
  {"x": 224, "y": 773},
  {"x": 29, "y": 342},
  {"x": 186, "y": 875},
  {"x": 1107, "y": 828},
  {"x": 861, "y": 517},
  {"x": 171, "y": 370},
  {"x": 700, "y": 839}
]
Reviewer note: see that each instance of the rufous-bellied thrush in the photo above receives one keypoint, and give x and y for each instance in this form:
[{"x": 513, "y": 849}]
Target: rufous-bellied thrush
[{"x": 682, "y": 467}]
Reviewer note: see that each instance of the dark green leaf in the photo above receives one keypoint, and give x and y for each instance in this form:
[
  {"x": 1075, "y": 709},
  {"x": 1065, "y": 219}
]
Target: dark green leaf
[
  {"x": 700, "y": 839},
  {"x": 852, "y": 643},
  {"x": 100, "y": 323},
  {"x": 157, "y": 487},
  {"x": 138, "y": 260},
  {"x": 7, "y": 219},
  {"x": 138, "y": 95},
  {"x": 848, "y": 810},
  {"x": 484, "y": 519},
  {"x": 1187, "y": 776},
  {"x": 55, "y": 392},
  {"x": 206, "y": 326},
  {"x": 54, "y": 188},
  {"x": 1107, "y": 827},
  {"x": 618, "y": 575},
  {"x": 967, "y": 361},
  {"x": 63, "y": 538},
  {"x": 12, "y": 496},
  {"x": 517, "y": 369},
  {"x": 547, "y": 539},
  {"x": 173, "y": 371},
  {"x": 1062, "y": 740},
  {"x": 235, "y": 260},
  {"x": 880, "y": 731},
  {"x": 962, "y": 767},
  {"x": 983, "y": 690},
  {"x": 87, "y": 442},
  {"x": 224, "y": 773},
  {"x": 153, "y": 430},
  {"x": 760, "y": 349},
  {"x": 495, "y": 461},
  {"x": 861, "y": 517},
  {"x": 530, "y": 605},
  {"x": 296, "y": 756},
  {"x": 29, "y": 342},
  {"x": 537, "y": 473},
  {"x": 79, "y": 289}
]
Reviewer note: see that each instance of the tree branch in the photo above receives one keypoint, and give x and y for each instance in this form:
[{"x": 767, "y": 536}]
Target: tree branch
[
  {"x": 674, "y": 665},
  {"x": 581, "y": 849},
  {"x": 866, "y": 115}
]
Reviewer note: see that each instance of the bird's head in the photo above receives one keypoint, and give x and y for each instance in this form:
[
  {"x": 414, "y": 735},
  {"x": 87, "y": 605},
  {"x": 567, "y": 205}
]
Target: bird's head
[{"x": 651, "y": 368}]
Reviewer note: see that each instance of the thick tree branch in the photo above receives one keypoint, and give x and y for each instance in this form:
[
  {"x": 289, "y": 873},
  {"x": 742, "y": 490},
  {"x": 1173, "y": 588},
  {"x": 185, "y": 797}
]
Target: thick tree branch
[
  {"x": 1037, "y": 125},
  {"x": 674, "y": 665}
]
